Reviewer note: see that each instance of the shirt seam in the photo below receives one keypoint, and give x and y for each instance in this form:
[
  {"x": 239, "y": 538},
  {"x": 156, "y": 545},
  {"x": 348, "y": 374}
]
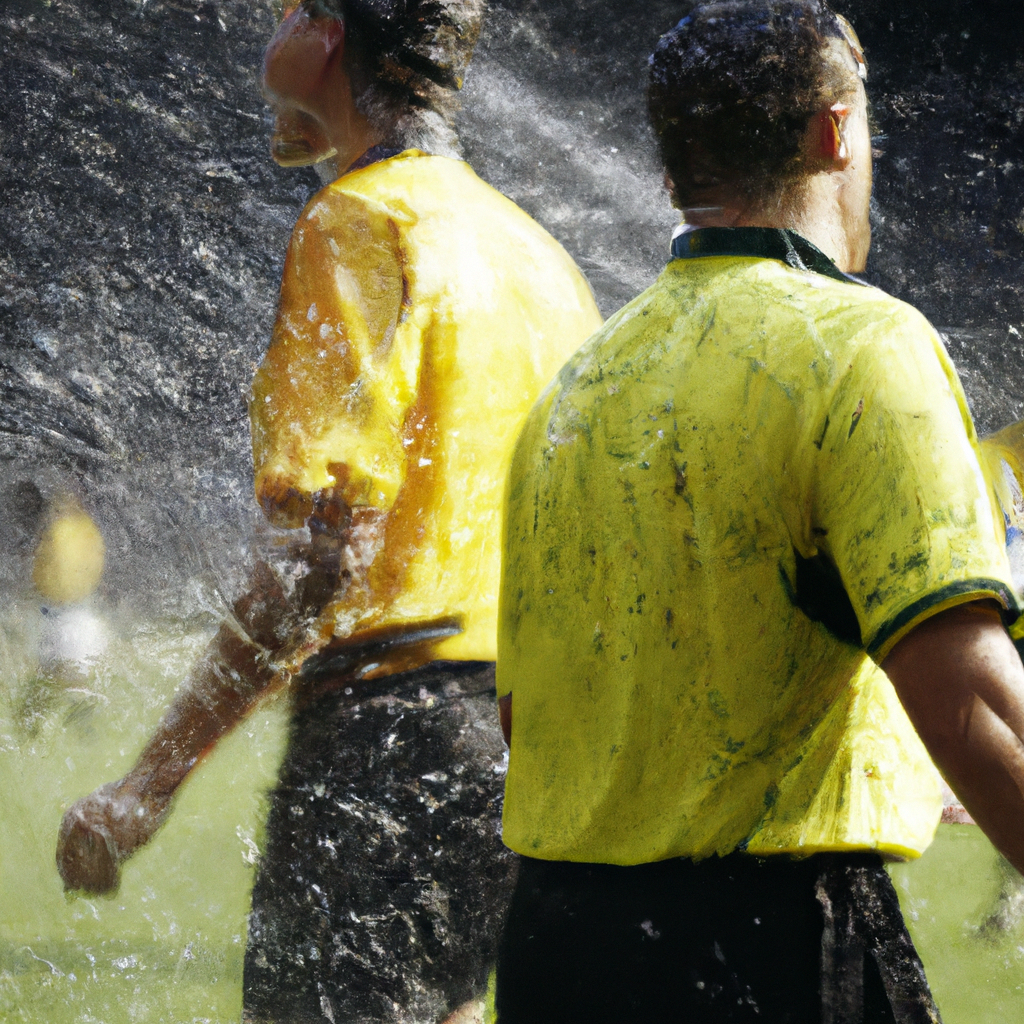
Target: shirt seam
[{"x": 959, "y": 592}]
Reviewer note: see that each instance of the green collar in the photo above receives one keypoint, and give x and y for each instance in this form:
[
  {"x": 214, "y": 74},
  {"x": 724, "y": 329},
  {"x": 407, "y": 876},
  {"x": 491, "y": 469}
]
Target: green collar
[{"x": 766, "y": 243}]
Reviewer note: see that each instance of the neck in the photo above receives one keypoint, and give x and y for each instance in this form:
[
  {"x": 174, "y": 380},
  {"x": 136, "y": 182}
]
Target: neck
[
  {"x": 810, "y": 207},
  {"x": 348, "y": 132},
  {"x": 351, "y": 133}
]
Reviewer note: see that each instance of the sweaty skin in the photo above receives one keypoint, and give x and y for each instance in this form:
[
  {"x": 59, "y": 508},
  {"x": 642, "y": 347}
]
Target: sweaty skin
[{"x": 961, "y": 682}]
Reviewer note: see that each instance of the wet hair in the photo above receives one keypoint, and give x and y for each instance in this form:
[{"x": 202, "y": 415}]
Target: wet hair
[
  {"x": 409, "y": 54},
  {"x": 733, "y": 86}
]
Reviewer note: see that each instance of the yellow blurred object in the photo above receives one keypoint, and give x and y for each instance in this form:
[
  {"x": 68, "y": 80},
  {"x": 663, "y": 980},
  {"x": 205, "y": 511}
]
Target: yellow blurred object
[
  {"x": 70, "y": 556},
  {"x": 421, "y": 315}
]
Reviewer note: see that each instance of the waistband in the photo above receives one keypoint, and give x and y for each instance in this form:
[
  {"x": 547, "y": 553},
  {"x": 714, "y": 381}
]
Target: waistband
[{"x": 441, "y": 679}]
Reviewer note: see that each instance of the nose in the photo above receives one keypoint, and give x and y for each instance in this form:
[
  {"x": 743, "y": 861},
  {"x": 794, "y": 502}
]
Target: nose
[{"x": 273, "y": 50}]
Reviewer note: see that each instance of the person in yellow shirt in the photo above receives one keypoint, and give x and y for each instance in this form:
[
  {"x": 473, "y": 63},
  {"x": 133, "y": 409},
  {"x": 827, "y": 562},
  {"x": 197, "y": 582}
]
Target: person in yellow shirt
[
  {"x": 754, "y": 576},
  {"x": 67, "y": 566},
  {"x": 421, "y": 314}
]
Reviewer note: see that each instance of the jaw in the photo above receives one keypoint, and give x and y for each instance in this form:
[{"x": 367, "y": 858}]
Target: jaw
[{"x": 298, "y": 140}]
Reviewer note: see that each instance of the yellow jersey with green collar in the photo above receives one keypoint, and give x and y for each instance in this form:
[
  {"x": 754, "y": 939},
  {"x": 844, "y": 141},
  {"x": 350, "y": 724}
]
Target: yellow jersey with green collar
[
  {"x": 722, "y": 514},
  {"x": 421, "y": 314}
]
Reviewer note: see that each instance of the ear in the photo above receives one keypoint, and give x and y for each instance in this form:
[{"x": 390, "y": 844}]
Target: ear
[{"x": 829, "y": 138}]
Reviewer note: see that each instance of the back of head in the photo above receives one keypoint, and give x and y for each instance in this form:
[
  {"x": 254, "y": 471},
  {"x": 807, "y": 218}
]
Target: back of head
[
  {"x": 734, "y": 85},
  {"x": 408, "y": 56}
]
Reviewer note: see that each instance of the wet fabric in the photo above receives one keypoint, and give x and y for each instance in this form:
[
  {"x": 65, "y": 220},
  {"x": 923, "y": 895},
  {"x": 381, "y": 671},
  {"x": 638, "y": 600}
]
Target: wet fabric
[
  {"x": 1004, "y": 457},
  {"x": 421, "y": 314},
  {"x": 723, "y": 941},
  {"x": 384, "y": 881},
  {"x": 725, "y": 511}
]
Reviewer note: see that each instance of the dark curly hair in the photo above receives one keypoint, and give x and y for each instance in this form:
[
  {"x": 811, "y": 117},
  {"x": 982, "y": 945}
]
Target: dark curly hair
[
  {"x": 733, "y": 86},
  {"x": 411, "y": 53}
]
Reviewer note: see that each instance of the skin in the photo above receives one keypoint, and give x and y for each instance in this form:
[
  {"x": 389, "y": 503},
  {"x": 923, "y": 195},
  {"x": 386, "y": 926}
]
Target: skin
[
  {"x": 307, "y": 83},
  {"x": 828, "y": 204},
  {"x": 961, "y": 682}
]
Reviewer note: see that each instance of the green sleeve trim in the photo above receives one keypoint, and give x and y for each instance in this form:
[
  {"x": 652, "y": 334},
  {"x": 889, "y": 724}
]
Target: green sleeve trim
[{"x": 951, "y": 594}]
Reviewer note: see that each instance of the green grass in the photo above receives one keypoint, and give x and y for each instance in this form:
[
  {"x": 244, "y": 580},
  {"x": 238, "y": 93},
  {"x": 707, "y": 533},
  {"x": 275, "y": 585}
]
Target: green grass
[
  {"x": 965, "y": 908},
  {"x": 167, "y": 948}
]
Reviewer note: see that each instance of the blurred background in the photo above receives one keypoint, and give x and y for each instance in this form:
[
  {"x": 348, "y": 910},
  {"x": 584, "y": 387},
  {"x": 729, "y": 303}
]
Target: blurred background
[{"x": 142, "y": 234}]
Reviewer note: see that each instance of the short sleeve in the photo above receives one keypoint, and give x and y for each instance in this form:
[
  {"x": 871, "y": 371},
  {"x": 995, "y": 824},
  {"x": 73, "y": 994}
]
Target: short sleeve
[
  {"x": 900, "y": 502},
  {"x": 330, "y": 399}
]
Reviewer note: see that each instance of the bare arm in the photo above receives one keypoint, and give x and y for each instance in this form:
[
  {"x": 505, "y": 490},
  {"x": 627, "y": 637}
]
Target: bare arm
[
  {"x": 236, "y": 671},
  {"x": 961, "y": 681}
]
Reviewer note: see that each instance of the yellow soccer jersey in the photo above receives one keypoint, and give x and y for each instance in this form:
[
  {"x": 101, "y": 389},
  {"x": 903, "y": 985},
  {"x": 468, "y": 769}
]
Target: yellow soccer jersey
[
  {"x": 721, "y": 516},
  {"x": 421, "y": 314}
]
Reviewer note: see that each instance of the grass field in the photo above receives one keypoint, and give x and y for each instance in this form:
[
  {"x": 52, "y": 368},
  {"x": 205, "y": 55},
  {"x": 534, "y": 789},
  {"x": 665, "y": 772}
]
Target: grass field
[{"x": 168, "y": 947}]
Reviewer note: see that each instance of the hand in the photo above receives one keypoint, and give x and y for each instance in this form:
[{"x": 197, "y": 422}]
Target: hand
[{"x": 101, "y": 830}]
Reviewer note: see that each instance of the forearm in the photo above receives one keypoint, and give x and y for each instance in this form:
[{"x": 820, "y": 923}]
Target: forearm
[
  {"x": 984, "y": 765},
  {"x": 101, "y": 830},
  {"x": 232, "y": 676},
  {"x": 238, "y": 668},
  {"x": 962, "y": 684}
]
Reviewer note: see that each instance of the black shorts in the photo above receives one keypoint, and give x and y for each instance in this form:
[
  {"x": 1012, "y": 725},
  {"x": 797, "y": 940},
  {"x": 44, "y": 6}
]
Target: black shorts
[
  {"x": 732, "y": 939},
  {"x": 384, "y": 883}
]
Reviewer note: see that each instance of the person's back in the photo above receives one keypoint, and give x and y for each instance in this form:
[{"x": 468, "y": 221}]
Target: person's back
[
  {"x": 746, "y": 527},
  {"x": 730, "y": 697}
]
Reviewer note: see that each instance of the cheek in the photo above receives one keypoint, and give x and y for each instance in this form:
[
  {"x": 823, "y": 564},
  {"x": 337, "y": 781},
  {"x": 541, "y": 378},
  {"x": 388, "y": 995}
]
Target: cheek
[
  {"x": 287, "y": 74},
  {"x": 296, "y": 58}
]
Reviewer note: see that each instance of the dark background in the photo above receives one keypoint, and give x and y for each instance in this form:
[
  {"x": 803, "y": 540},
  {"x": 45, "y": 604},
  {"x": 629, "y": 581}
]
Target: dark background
[{"x": 143, "y": 230}]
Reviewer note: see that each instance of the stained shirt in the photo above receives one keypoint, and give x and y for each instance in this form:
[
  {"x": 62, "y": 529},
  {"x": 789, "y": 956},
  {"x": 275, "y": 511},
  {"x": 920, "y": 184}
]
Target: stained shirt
[
  {"x": 421, "y": 314},
  {"x": 730, "y": 505}
]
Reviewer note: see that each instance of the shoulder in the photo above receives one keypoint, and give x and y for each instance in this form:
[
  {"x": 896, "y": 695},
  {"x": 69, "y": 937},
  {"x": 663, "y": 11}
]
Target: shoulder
[
  {"x": 865, "y": 307},
  {"x": 340, "y": 227},
  {"x": 838, "y": 317},
  {"x": 880, "y": 332},
  {"x": 429, "y": 189},
  {"x": 412, "y": 184}
]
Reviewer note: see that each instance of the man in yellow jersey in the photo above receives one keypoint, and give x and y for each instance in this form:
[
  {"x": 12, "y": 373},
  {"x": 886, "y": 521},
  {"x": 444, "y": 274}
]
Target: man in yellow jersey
[
  {"x": 421, "y": 314},
  {"x": 744, "y": 524}
]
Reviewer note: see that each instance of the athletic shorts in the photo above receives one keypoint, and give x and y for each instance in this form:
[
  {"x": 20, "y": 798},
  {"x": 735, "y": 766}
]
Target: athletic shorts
[
  {"x": 733, "y": 939},
  {"x": 381, "y": 892}
]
